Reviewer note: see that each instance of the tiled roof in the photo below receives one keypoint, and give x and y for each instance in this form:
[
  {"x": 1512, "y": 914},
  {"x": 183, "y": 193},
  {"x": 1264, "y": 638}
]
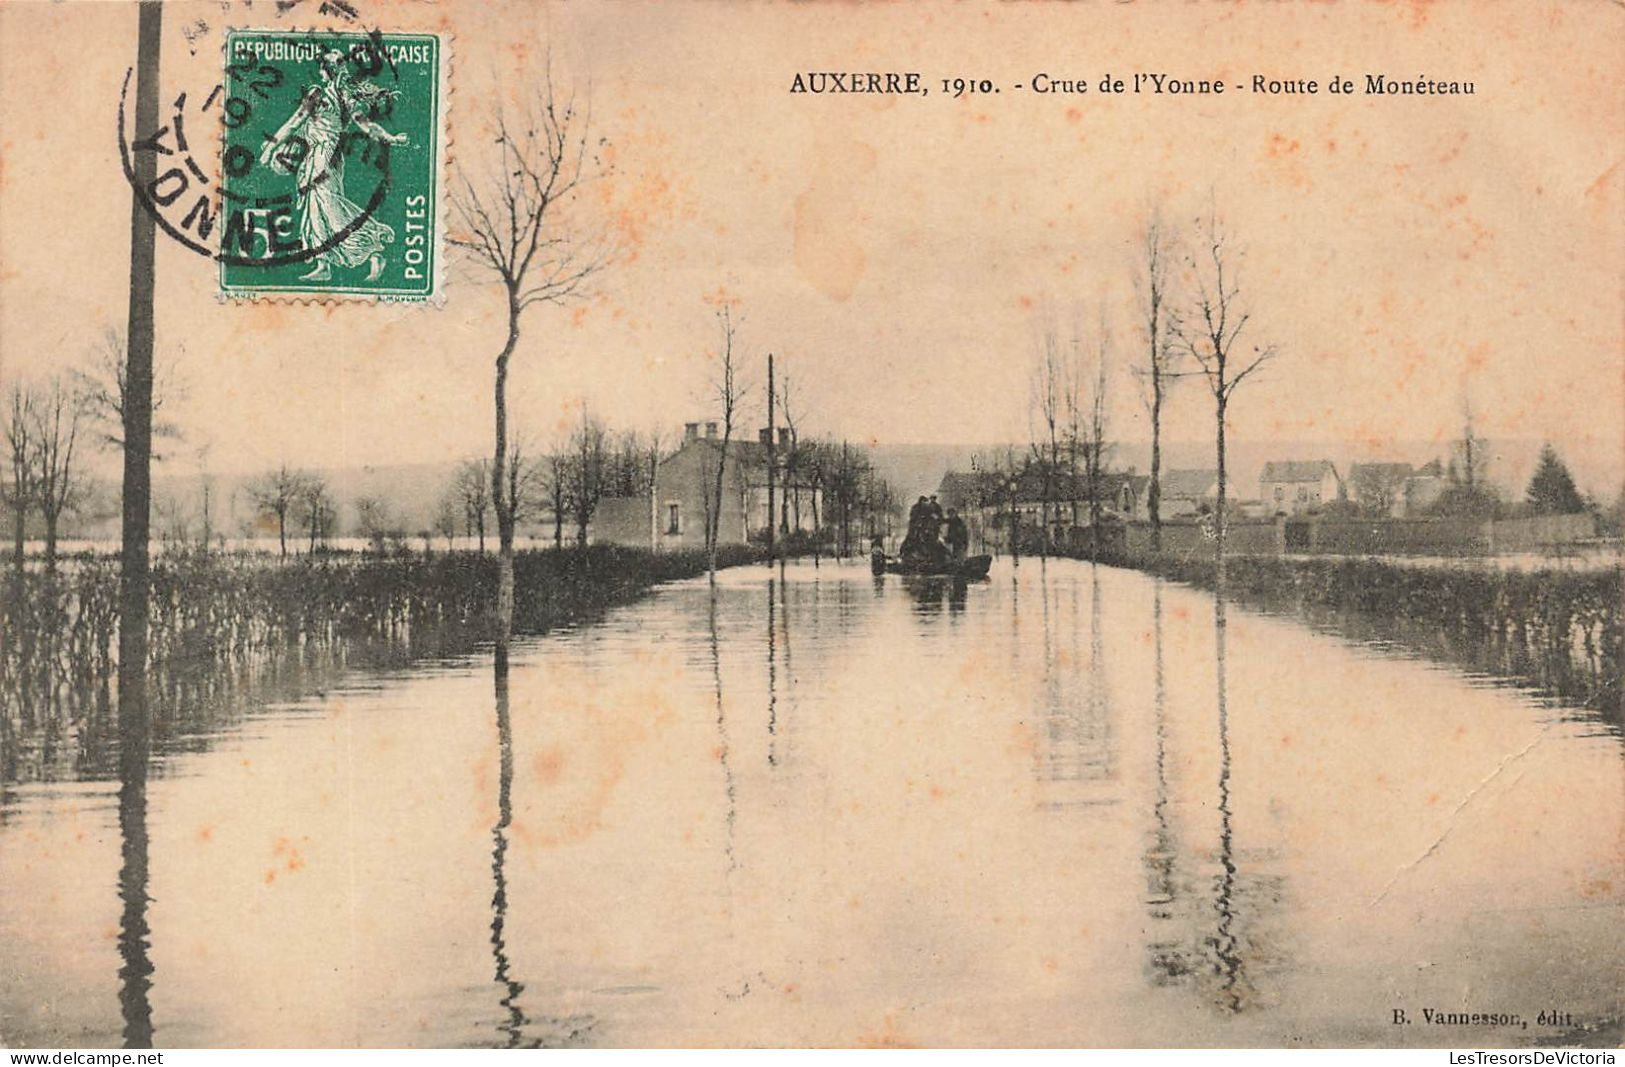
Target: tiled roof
[
  {"x": 1188, "y": 484},
  {"x": 1380, "y": 470},
  {"x": 1297, "y": 470}
]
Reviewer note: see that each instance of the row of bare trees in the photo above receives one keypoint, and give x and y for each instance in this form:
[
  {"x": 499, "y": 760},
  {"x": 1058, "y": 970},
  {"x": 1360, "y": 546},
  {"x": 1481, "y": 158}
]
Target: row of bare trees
[
  {"x": 568, "y": 482},
  {"x": 43, "y": 431},
  {"x": 1194, "y": 321},
  {"x": 1068, "y": 449},
  {"x": 50, "y": 429}
]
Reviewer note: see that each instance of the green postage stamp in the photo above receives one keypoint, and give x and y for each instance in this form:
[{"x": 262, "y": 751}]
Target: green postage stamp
[{"x": 331, "y": 164}]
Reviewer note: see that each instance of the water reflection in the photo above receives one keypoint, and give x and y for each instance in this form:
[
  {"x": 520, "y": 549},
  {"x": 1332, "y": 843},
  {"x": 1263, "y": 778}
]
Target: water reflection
[
  {"x": 1219, "y": 940},
  {"x": 513, "y": 1022},
  {"x": 135, "y": 968},
  {"x": 930, "y": 595},
  {"x": 518, "y": 1028},
  {"x": 772, "y": 672},
  {"x": 987, "y": 753},
  {"x": 1225, "y": 946},
  {"x": 730, "y": 788},
  {"x": 1077, "y": 733},
  {"x": 1167, "y": 960}
]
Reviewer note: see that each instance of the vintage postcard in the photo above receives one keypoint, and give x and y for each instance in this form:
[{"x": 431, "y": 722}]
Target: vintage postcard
[{"x": 597, "y": 524}]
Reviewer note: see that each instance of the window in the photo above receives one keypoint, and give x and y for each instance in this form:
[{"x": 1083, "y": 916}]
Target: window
[
  {"x": 1303, "y": 494},
  {"x": 1280, "y": 494},
  {"x": 674, "y": 519}
]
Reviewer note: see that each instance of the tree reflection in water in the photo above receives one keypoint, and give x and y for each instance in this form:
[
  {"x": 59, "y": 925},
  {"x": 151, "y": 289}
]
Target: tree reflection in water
[
  {"x": 729, "y": 788},
  {"x": 518, "y": 1029},
  {"x": 1222, "y": 947},
  {"x": 514, "y": 1021},
  {"x": 1226, "y": 948},
  {"x": 1168, "y": 960},
  {"x": 1077, "y": 736}
]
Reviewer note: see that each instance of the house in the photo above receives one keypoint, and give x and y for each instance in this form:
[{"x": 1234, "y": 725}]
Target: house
[
  {"x": 1424, "y": 487},
  {"x": 1294, "y": 486},
  {"x": 1061, "y": 505},
  {"x": 1379, "y": 488},
  {"x": 673, "y": 516},
  {"x": 1191, "y": 492}
]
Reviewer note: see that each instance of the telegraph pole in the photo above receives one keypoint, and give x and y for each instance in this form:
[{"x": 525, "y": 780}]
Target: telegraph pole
[
  {"x": 134, "y": 579},
  {"x": 135, "y": 976}
]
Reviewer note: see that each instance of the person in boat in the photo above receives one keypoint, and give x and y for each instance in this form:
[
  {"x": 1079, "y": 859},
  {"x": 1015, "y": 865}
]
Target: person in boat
[
  {"x": 956, "y": 536},
  {"x": 916, "y": 528},
  {"x": 935, "y": 511},
  {"x": 930, "y": 550}
]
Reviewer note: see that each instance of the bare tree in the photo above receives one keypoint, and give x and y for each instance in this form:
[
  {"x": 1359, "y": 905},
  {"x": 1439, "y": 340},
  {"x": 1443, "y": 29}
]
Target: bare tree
[
  {"x": 558, "y": 491},
  {"x": 1211, "y": 337},
  {"x": 1378, "y": 489},
  {"x": 512, "y": 229},
  {"x": 206, "y": 493},
  {"x": 1160, "y": 369},
  {"x": 626, "y": 468},
  {"x": 58, "y": 416},
  {"x": 472, "y": 486},
  {"x": 104, "y": 384},
  {"x": 525, "y": 478},
  {"x": 277, "y": 494},
  {"x": 1045, "y": 411},
  {"x": 447, "y": 515},
  {"x": 317, "y": 511},
  {"x": 375, "y": 521},
  {"x": 22, "y": 488},
  {"x": 588, "y": 472},
  {"x": 1097, "y": 447},
  {"x": 792, "y": 458},
  {"x": 729, "y": 395},
  {"x": 1470, "y": 465}
]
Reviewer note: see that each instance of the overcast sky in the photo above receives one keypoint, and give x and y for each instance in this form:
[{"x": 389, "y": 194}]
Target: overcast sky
[{"x": 895, "y": 252}]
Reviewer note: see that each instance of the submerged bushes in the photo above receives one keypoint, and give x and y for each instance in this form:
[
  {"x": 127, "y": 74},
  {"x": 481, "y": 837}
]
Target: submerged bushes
[
  {"x": 1557, "y": 630},
  {"x": 220, "y": 623}
]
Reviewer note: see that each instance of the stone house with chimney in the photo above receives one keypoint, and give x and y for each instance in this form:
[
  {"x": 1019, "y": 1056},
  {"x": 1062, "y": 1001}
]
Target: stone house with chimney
[
  {"x": 673, "y": 516},
  {"x": 1295, "y": 486}
]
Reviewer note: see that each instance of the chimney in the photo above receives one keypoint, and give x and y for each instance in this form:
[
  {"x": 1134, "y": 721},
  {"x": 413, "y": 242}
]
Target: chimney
[
  {"x": 710, "y": 431},
  {"x": 691, "y": 431},
  {"x": 765, "y": 436}
]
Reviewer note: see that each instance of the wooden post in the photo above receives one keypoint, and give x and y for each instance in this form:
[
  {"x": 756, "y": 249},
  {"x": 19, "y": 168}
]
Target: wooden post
[
  {"x": 134, "y": 576},
  {"x": 134, "y": 579}
]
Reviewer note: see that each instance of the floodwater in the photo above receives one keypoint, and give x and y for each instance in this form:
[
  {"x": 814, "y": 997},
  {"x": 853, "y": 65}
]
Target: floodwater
[{"x": 1058, "y": 807}]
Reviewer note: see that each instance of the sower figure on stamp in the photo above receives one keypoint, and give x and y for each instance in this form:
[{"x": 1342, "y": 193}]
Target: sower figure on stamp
[{"x": 312, "y": 136}]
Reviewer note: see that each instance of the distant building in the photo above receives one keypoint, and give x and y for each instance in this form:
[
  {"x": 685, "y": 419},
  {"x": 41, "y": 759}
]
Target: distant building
[
  {"x": 1424, "y": 487},
  {"x": 1058, "y": 507},
  {"x": 673, "y": 515},
  {"x": 1294, "y": 486},
  {"x": 1189, "y": 492},
  {"x": 1379, "y": 488}
]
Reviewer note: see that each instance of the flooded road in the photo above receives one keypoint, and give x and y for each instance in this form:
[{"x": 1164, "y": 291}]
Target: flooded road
[{"x": 1058, "y": 807}]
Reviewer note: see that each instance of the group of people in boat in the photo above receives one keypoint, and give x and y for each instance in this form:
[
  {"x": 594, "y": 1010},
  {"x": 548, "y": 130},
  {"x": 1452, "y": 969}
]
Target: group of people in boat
[{"x": 934, "y": 537}]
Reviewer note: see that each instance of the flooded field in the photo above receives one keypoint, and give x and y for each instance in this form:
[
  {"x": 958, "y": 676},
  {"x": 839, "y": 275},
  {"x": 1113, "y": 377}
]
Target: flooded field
[{"x": 813, "y": 807}]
